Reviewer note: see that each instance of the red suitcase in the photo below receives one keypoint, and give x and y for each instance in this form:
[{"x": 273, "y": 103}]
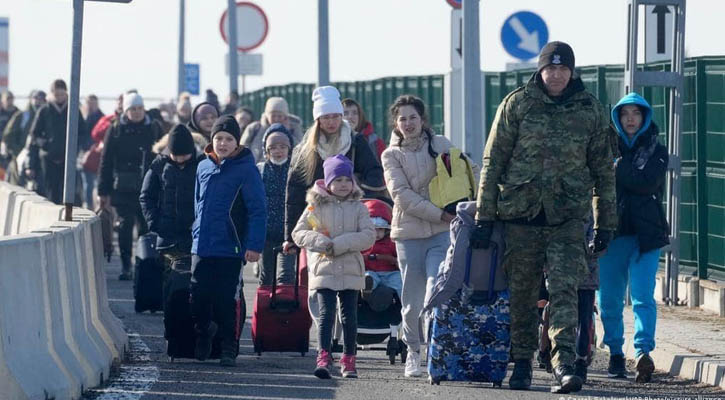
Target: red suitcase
[{"x": 281, "y": 321}]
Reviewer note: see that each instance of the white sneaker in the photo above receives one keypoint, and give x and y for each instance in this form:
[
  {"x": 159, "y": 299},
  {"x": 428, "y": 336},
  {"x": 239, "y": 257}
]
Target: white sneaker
[{"x": 412, "y": 365}]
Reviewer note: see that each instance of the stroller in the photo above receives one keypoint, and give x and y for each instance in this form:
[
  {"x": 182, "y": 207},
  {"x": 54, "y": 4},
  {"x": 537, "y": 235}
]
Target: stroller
[{"x": 378, "y": 319}]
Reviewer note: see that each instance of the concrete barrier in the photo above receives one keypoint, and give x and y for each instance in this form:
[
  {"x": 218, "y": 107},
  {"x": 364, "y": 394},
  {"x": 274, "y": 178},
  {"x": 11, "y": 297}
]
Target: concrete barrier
[
  {"x": 58, "y": 336},
  {"x": 28, "y": 351},
  {"x": 75, "y": 349}
]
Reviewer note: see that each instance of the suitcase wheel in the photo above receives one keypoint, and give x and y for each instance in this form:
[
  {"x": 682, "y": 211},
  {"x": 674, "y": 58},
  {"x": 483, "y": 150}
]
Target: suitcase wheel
[
  {"x": 498, "y": 384},
  {"x": 434, "y": 381}
]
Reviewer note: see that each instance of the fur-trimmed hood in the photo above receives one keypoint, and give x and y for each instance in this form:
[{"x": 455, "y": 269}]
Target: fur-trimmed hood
[
  {"x": 161, "y": 147},
  {"x": 318, "y": 194}
]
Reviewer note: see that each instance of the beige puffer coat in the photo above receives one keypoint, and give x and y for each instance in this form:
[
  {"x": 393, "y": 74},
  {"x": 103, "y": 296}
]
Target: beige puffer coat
[
  {"x": 409, "y": 169},
  {"x": 350, "y": 231}
]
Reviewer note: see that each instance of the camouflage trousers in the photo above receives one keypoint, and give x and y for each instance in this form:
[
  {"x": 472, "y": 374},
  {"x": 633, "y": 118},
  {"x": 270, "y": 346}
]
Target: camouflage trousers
[{"x": 530, "y": 249}]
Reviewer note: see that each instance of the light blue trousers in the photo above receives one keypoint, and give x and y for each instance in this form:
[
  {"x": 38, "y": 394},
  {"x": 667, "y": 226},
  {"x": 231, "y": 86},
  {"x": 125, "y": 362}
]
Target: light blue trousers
[{"x": 621, "y": 263}]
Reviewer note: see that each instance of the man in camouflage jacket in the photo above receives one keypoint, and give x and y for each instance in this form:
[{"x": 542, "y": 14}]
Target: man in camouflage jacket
[{"x": 547, "y": 163}]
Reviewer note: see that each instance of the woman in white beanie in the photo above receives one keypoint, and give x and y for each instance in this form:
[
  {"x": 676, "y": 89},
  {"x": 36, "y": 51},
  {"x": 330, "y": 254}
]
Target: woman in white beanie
[
  {"x": 276, "y": 110},
  {"x": 329, "y": 136}
]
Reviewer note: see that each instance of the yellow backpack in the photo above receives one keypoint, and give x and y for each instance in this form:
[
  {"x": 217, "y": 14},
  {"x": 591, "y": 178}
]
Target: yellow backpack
[{"x": 453, "y": 185}]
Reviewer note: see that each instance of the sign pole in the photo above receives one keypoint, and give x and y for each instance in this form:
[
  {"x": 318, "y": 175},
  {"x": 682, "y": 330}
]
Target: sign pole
[
  {"x": 180, "y": 67},
  {"x": 71, "y": 137},
  {"x": 472, "y": 105},
  {"x": 323, "y": 45},
  {"x": 232, "y": 40}
]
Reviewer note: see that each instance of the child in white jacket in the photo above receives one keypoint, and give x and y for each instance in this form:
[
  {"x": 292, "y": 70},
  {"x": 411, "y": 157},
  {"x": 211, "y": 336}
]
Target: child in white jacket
[{"x": 334, "y": 229}]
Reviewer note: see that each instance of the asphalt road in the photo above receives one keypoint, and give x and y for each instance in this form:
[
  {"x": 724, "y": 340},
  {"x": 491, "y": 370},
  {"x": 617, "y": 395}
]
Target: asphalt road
[{"x": 147, "y": 373}]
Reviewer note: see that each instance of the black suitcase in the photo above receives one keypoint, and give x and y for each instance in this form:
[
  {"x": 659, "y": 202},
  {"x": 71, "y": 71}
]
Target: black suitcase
[
  {"x": 178, "y": 323},
  {"x": 148, "y": 275}
]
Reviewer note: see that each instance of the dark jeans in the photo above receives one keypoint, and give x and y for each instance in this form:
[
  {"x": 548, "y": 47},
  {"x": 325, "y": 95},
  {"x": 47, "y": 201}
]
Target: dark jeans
[
  {"x": 215, "y": 284},
  {"x": 128, "y": 216},
  {"x": 327, "y": 299},
  {"x": 53, "y": 179},
  {"x": 586, "y": 310},
  {"x": 285, "y": 265}
]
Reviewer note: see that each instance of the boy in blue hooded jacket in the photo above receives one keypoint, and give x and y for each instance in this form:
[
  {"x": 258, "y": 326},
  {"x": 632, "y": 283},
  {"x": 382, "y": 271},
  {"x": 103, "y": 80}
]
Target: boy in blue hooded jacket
[
  {"x": 641, "y": 232},
  {"x": 229, "y": 229}
]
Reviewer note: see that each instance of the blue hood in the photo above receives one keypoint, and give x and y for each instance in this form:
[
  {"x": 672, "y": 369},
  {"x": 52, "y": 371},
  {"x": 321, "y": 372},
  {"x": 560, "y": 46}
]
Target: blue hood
[{"x": 635, "y": 99}]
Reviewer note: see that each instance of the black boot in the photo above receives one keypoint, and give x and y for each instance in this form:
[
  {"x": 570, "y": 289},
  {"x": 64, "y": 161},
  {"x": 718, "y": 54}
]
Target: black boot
[
  {"x": 203, "y": 341},
  {"x": 228, "y": 357},
  {"x": 567, "y": 381},
  {"x": 521, "y": 377},
  {"x": 617, "y": 367},
  {"x": 580, "y": 369},
  {"x": 645, "y": 366},
  {"x": 126, "y": 274}
]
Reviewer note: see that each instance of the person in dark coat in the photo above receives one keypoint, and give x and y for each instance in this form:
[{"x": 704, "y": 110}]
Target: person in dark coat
[
  {"x": 7, "y": 109},
  {"x": 48, "y": 132},
  {"x": 16, "y": 135},
  {"x": 167, "y": 195},
  {"x": 330, "y": 135},
  {"x": 278, "y": 144},
  {"x": 642, "y": 231},
  {"x": 229, "y": 228},
  {"x": 126, "y": 156}
]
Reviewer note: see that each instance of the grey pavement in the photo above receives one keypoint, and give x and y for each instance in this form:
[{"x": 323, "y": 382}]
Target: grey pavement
[
  {"x": 690, "y": 343},
  {"x": 147, "y": 374}
]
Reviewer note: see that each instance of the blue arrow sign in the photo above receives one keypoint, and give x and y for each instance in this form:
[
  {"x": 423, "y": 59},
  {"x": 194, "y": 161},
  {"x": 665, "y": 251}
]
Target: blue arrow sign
[
  {"x": 191, "y": 77},
  {"x": 524, "y": 34}
]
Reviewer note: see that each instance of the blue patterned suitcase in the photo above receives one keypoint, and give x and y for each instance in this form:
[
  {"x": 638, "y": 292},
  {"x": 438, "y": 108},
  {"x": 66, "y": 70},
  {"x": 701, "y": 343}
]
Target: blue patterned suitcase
[{"x": 470, "y": 334}]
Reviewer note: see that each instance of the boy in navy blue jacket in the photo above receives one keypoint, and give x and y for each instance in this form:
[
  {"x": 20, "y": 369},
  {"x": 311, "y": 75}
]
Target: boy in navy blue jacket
[{"x": 229, "y": 228}]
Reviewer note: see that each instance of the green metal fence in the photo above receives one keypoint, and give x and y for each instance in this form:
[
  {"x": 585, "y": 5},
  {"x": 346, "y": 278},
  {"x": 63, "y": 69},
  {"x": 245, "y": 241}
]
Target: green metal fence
[
  {"x": 374, "y": 96},
  {"x": 702, "y": 209}
]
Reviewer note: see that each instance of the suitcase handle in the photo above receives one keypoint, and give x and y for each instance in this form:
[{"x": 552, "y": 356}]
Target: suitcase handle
[
  {"x": 273, "y": 302},
  {"x": 491, "y": 272}
]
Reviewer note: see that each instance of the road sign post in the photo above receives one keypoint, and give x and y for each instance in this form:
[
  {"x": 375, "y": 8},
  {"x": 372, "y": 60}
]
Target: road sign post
[
  {"x": 232, "y": 41},
  {"x": 71, "y": 132},
  {"x": 472, "y": 95},
  {"x": 180, "y": 61},
  {"x": 323, "y": 44}
]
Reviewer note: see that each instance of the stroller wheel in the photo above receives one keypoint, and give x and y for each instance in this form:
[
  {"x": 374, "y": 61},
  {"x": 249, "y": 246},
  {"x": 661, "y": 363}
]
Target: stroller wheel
[{"x": 392, "y": 349}]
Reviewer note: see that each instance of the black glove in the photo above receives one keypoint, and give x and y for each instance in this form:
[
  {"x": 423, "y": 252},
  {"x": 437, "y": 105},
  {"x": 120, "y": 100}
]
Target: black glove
[
  {"x": 601, "y": 240},
  {"x": 481, "y": 234}
]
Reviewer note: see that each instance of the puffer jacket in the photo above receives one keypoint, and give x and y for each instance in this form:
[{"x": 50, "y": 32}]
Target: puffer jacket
[
  {"x": 641, "y": 173},
  {"x": 167, "y": 201},
  {"x": 349, "y": 231},
  {"x": 408, "y": 172}
]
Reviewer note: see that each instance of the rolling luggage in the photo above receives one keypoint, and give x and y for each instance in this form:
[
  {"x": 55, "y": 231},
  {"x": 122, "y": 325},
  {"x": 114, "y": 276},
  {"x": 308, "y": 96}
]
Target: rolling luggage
[
  {"x": 148, "y": 275},
  {"x": 179, "y": 329},
  {"x": 469, "y": 334},
  {"x": 281, "y": 321}
]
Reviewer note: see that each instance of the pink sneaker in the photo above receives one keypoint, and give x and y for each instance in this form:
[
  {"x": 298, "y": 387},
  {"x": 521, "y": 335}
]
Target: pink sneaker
[
  {"x": 347, "y": 366},
  {"x": 323, "y": 365}
]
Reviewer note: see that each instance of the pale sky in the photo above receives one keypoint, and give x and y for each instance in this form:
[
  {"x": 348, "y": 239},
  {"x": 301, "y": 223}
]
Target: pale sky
[{"x": 135, "y": 45}]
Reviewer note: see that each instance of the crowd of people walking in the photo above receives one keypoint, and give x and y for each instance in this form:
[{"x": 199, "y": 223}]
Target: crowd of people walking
[{"x": 577, "y": 191}]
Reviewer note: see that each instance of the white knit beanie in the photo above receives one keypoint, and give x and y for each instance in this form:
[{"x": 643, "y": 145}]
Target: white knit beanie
[
  {"x": 132, "y": 100},
  {"x": 276, "y": 104},
  {"x": 326, "y": 101}
]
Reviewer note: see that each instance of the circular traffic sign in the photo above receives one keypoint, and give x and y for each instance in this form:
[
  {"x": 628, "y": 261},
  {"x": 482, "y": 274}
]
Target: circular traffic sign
[
  {"x": 524, "y": 34},
  {"x": 252, "y": 26},
  {"x": 455, "y": 3}
]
